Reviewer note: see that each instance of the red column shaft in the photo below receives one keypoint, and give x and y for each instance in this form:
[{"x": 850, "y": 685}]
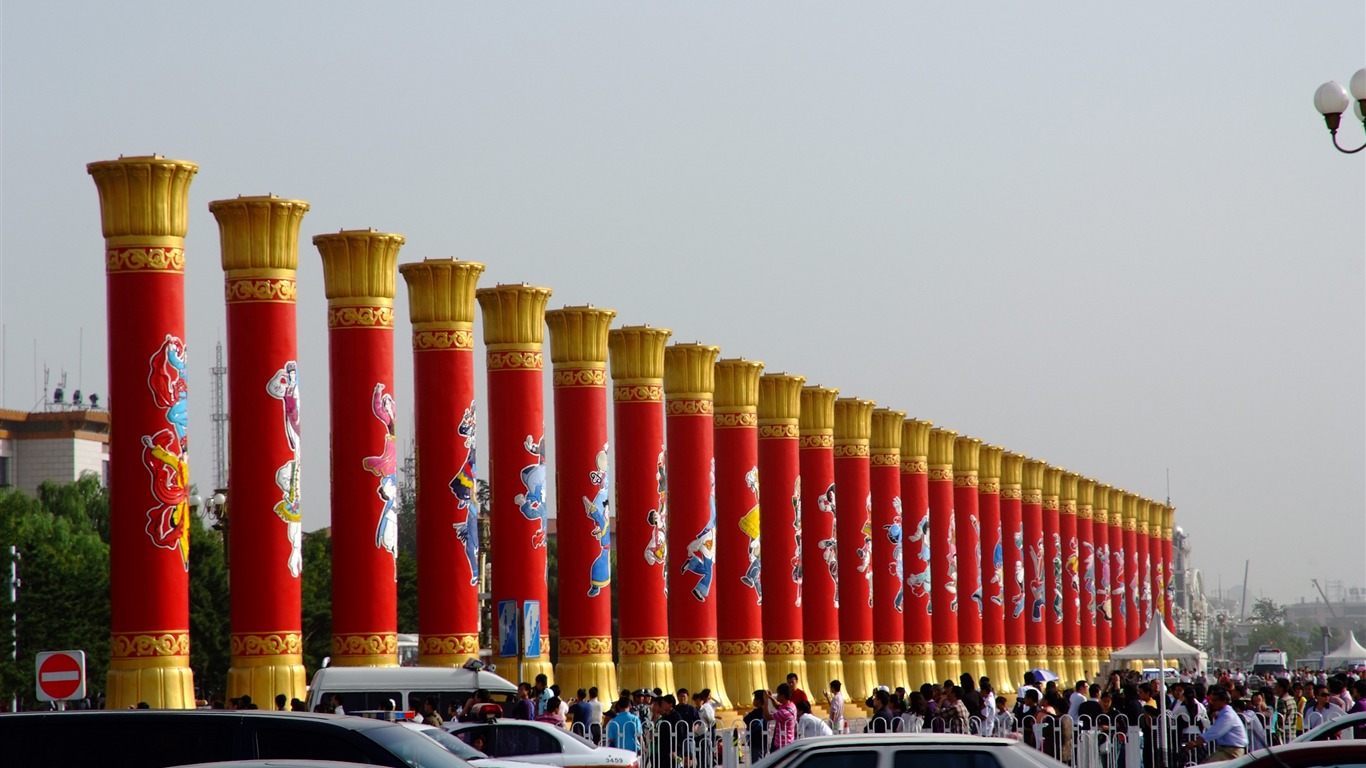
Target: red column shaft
[
  {"x": 1133, "y": 622},
  {"x": 945, "y": 563},
  {"x": 1145, "y": 575},
  {"x": 1087, "y": 566},
  {"x": 888, "y": 564},
  {"x": 917, "y": 556},
  {"x": 1016, "y": 611},
  {"x": 1119, "y": 593},
  {"x": 1052, "y": 536},
  {"x": 991, "y": 550},
  {"x": 1071, "y": 579},
  {"x": 968, "y": 562},
  {"x": 780, "y": 526},
  {"x": 1036, "y": 565},
  {"x": 1170, "y": 563},
  {"x": 820, "y": 553},
  {"x": 1100, "y": 534}
]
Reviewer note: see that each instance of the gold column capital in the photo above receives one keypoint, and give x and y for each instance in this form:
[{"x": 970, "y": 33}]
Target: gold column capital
[
  {"x": 737, "y": 386},
  {"x": 915, "y": 446},
  {"x": 967, "y": 452},
  {"x": 1130, "y": 511},
  {"x": 1142, "y": 511},
  {"x": 578, "y": 336},
  {"x": 941, "y": 453},
  {"x": 1086, "y": 489},
  {"x": 780, "y": 399},
  {"x": 1168, "y": 522},
  {"x": 1052, "y": 486},
  {"x": 143, "y": 197},
  {"x": 1012, "y": 469},
  {"x": 1033, "y": 476},
  {"x": 1117, "y": 506},
  {"x": 1100, "y": 505},
  {"x": 637, "y": 354},
  {"x": 360, "y": 266},
  {"x": 441, "y": 294},
  {"x": 259, "y": 233},
  {"x": 1067, "y": 492},
  {"x": 817, "y": 415},
  {"x": 690, "y": 371},
  {"x": 989, "y": 468},
  {"x": 514, "y": 315},
  {"x": 887, "y": 426},
  {"x": 853, "y": 421}
]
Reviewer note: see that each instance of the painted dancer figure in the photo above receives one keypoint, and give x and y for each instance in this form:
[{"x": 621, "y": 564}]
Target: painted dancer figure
[
  {"x": 600, "y": 574},
  {"x": 284, "y": 386},
  {"x": 658, "y": 518},
  {"x": 1036, "y": 584},
  {"x": 1117, "y": 584},
  {"x": 170, "y": 386},
  {"x": 1103, "y": 586},
  {"x": 977, "y": 554},
  {"x": 385, "y": 466},
  {"x": 531, "y": 502},
  {"x": 701, "y": 554},
  {"x": 896, "y": 566},
  {"x": 998, "y": 571},
  {"x": 1074, "y": 575},
  {"x": 1017, "y": 602},
  {"x": 168, "y": 523},
  {"x": 463, "y": 487},
  {"x": 952, "y": 584},
  {"x": 1088, "y": 580},
  {"x": 749, "y": 525},
  {"x": 919, "y": 580},
  {"x": 1057, "y": 578},
  {"x": 797, "y": 537},
  {"x": 828, "y": 547}
]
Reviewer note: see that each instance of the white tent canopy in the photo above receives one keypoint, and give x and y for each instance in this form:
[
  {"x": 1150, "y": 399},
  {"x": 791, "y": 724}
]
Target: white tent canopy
[
  {"x": 1145, "y": 647},
  {"x": 1349, "y": 653}
]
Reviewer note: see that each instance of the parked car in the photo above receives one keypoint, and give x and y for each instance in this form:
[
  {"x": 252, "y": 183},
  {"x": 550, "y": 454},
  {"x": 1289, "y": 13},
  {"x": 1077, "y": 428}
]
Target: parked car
[
  {"x": 1313, "y": 754},
  {"x": 370, "y": 688},
  {"x": 527, "y": 741},
  {"x": 907, "y": 750},
  {"x": 1345, "y": 727},
  {"x": 460, "y": 749},
  {"x": 161, "y": 738}
]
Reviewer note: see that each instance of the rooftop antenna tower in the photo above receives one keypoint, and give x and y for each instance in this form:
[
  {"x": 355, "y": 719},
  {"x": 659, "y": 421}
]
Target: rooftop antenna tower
[{"x": 220, "y": 421}]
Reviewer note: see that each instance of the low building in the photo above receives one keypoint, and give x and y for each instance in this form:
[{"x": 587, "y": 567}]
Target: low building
[{"x": 54, "y": 445}]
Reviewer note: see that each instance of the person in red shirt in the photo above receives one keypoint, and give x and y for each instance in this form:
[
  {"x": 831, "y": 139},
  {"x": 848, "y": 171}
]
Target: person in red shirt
[{"x": 798, "y": 695}]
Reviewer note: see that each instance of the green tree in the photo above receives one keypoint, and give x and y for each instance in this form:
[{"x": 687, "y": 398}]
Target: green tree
[
  {"x": 1266, "y": 612},
  {"x": 210, "y": 610},
  {"x": 316, "y": 584}
]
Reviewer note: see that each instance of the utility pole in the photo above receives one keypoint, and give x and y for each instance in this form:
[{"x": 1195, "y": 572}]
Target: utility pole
[
  {"x": 14, "y": 618},
  {"x": 220, "y": 421}
]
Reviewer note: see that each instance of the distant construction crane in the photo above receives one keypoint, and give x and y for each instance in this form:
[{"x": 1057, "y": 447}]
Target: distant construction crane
[
  {"x": 220, "y": 421},
  {"x": 1331, "y": 611}
]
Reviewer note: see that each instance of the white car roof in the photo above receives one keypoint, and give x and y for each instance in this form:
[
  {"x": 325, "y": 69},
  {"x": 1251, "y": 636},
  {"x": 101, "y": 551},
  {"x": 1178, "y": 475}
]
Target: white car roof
[
  {"x": 564, "y": 736},
  {"x": 407, "y": 678}
]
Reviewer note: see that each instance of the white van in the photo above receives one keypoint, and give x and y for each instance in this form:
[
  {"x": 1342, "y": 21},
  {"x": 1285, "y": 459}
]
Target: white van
[{"x": 368, "y": 688}]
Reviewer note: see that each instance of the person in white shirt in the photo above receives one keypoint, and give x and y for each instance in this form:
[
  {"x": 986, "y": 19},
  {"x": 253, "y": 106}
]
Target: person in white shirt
[
  {"x": 999, "y": 721},
  {"x": 836, "y": 706},
  {"x": 1322, "y": 710},
  {"x": 1075, "y": 700},
  {"x": 808, "y": 724}
]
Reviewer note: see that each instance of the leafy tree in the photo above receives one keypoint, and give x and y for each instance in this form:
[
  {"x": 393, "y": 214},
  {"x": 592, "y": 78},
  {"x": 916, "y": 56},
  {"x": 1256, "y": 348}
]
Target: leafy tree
[
  {"x": 210, "y": 610},
  {"x": 1265, "y": 611},
  {"x": 407, "y": 593},
  {"x": 316, "y": 584}
]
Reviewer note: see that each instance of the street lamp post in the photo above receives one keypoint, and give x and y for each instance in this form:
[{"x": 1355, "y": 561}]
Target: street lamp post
[
  {"x": 1331, "y": 100},
  {"x": 214, "y": 510}
]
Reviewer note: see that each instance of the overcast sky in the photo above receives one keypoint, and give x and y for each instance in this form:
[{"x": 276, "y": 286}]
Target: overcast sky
[{"x": 1114, "y": 237}]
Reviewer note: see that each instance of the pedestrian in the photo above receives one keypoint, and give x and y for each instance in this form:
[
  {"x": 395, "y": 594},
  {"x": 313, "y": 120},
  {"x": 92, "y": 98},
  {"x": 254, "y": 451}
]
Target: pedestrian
[
  {"x": 430, "y": 713},
  {"x": 551, "y": 713},
  {"x": 953, "y": 711},
  {"x": 837, "y": 706},
  {"x": 623, "y": 730},
  {"x": 798, "y": 695},
  {"x": 595, "y": 716},
  {"x": 280, "y": 701},
  {"x": 1227, "y": 731},
  {"x": 784, "y": 717},
  {"x": 808, "y": 724},
  {"x": 755, "y": 722},
  {"x": 525, "y": 706},
  {"x": 581, "y": 714}
]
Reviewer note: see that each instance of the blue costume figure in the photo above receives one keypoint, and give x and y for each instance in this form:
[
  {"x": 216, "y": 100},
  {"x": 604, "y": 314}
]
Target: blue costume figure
[
  {"x": 919, "y": 581},
  {"x": 532, "y": 502},
  {"x": 998, "y": 572},
  {"x": 1057, "y": 578},
  {"x": 894, "y": 536},
  {"x": 1018, "y": 601},
  {"x": 1036, "y": 584},
  {"x": 385, "y": 466},
  {"x": 977, "y": 553},
  {"x": 462, "y": 485},
  {"x": 701, "y": 552},
  {"x": 600, "y": 575}
]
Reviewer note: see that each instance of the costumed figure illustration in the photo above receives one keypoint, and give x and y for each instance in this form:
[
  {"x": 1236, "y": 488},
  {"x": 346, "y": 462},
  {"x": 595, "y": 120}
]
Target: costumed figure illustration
[
  {"x": 897, "y": 567},
  {"x": 1171, "y": 589},
  {"x": 701, "y": 554},
  {"x": 658, "y": 518},
  {"x": 951, "y": 585},
  {"x": 998, "y": 571},
  {"x": 531, "y": 502},
  {"x": 385, "y": 466},
  {"x": 1017, "y": 602},
  {"x": 865, "y": 552},
  {"x": 797, "y": 537},
  {"x": 1088, "y": 578},
  {"x": 1148, "y": 584},
  {"x": 1036, "y": 584},
  {"x": 600, "y": 574},
  {"x": 166, "y": 454},
  {"x": 919, "y": 580},
  {"x": 1135, "y": 595},
  {"x": 829, "y": 547},
  {"x": 977, "y": 555},
  {"x": 749, "y": 524},
  {"x": 1117, "y": 595},
  {"x": 1103, "y": 586},
  {"x": 463, "y": 487},
  {"x": 1160, "y": 593},
  {"x": 284, "y": 386},
  {"x": 1074, "y": 575},
  {"x": 1057, "y": 578}
]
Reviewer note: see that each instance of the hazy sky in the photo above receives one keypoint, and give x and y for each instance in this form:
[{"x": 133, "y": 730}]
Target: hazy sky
[{"x": 1112, "y": 237}]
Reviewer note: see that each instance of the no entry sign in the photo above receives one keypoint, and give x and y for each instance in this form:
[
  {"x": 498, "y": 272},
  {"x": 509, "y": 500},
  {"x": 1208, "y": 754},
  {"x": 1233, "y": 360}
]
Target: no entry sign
[{"x": 61, "y": 675}]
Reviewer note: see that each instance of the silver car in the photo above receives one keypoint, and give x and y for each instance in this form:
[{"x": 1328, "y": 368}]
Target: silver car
[{"x": 907, "y": 750}]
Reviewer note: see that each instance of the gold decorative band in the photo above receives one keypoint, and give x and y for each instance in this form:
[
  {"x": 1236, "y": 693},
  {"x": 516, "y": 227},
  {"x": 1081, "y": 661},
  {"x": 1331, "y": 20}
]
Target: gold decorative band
[
  {"x": 818, "y": 441},
  {"x": 439, "y": 341},
  {"x": 919, "y": 649},
  {"x": 1011, "y": 493},
  {"x": 946, "y": 650},
  {"x": 365, "y": 645},
  {"x": 970, "y": 649},
  {"x": 1068, "y": 507},
  {"x": 586, "y": 646},
  {"x": 851, "y": 451},
  {"x": 272, "y": 644},
  {"x": 580, "y": 377},
  {"x": 1032, "y": 497},
  {"x": 1036, "y": 651},
  {"x": 742, "y": 648},
  {"x": 448, "y": 645},
  {"x": 516, "y": 360},
  {"x": 941, "y": 474},
  {"x": 644, "y": 646},
  {"x": 1130, "y": 524},
  {"x": 702, "y": 647},
  {"x": 783, "y": 648},
  {"x": 275, "y": 291},
  {"x": 1084, "y": 513},
  {"x": 647, "y": 393},
  {"x": 821, "y": 648},
  {"x": 859, "y": 648},
  {"x": 360, "y": 317},
  {"x": 914, "y": 465},
  {"x": 1050, "y": 503},
  {"x": 964, "y": 481},
  {"x": 889, "y": 649},
  {"x": 141, "y": 645},
  {"x": 779, "y": 431},
  {"x": 688, "y": 408},
  {"x": 144, "y": 259},
  {"x": 988, "y": 486},
  {"x": 735, "y": 420},
  {"x": 885, "y": 459},
  {"x": 1019, "y": 652},
  {"x": 995, "y": 649}
]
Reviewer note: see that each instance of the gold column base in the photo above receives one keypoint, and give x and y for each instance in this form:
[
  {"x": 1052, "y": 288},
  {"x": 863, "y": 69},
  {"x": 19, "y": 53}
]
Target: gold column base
[
  {"x": 948, "y": 665},
  {"x": 782, "y": 657},
  {"x": 891, "y": 665},
  {"x": 1057, "y": 664},
  {"x": 644, "y": 663},
  {"x": 696, "y": 671},
  {"x": 744, "y": 670},
  {"x": 541, "y": 666},
  {"x": 920, "y": 664},
  {"x": 586, "y": 671},
  {"x": 823, "y": 664},
  {"x": 1090, "y": 661},
  {"x": 860, "y": 671},
  {"x": 973, "y": 661},
  {"x": 162, "y": 682},
  {"x": 1075, "y": 669},
  {"x": 998, "y": 669},
  {"x": 264, "y": 677},
  {"x": 1137, "y": 665},
  {"x": 1017, "y": 659}
]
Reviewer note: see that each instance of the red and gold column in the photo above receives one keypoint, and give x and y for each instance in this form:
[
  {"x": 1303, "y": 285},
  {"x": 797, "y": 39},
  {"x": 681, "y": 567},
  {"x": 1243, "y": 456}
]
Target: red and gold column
[
  {"x": 854, "y": 532},
  {"x": 514, "y": 331},
  {"x": 689, "y": 382},
  {"x": 360, "y": 268},
  {"x": 1054, "y": 554},
  {"x": 144, "y": 210},
  {"x": 917, "y": 561},
  {"x": 441, "y": 307},
  {"x": 739, "y": 589},
  {"x": 1145, "y": 562},
  {"x": 944, "y": 605},
  {"x": 578, "y": 354},
  {"x": 820, "y": 554},
  {"x": 1017, "y": 591},
  {"x": 888, "y": 565},
  {"x": 780, "y": 526},
  {"x": 1100, "y": 535},
  {"x": 967, "y": 561},
  {"x": 259, "y": 238},
  {"x": 637, "y": 358},
  {"x": 1168, "y": 537},
  {"x": 1119, "y": 594},
  {"x": 1036, "y": 563},
  {"x": 1159, "y": 576},
  {"x": 991, "y": 550},
  {"x": 1133, "y": 623},
  {"x": 1071, "y": 577},
  {"x": 1090, "y": 658}
]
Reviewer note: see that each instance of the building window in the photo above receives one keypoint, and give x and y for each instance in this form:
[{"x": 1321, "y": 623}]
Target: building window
[{"x": 104, "y": 473}]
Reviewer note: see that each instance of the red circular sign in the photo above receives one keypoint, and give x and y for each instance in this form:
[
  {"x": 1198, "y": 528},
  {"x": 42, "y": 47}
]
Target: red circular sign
[{"x": 60, "y": 676}]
